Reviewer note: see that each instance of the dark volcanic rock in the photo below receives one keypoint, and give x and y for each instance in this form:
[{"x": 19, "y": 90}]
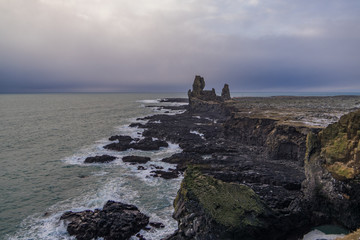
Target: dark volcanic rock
[
  {"x": 225, "y": 93},
  {"x": 116, "y": 221},
  {"x": 156, "y": 167},
  {"x": 156, "y": 224},
  {"x": 125, "y": 143},
  {"x": 136, "y": 159},
  {"x": 147, "y": 144},
  {"x": 183, "y": 159},
  {"x": 121, "y": 139},
  {"x": 100, "y": 159},
  {"x": 172, "y": 173},
  {"x": 332, "y": 166},
  {"x": 122, "y": 144}
]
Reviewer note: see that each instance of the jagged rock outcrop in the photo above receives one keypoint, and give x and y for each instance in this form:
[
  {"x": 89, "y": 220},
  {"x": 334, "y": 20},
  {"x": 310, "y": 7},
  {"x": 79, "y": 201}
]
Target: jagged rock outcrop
[
  {"x": 225, "y": 93},
  {"x": 116, "y": 221},
  {"x": 280, "y": 142},
  {"x": 332, "y": 172},
  {"x": 205, "y": 100}
]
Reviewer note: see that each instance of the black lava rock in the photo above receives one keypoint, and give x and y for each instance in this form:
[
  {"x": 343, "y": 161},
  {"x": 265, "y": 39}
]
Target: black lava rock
[
  {"x": 136, "y": 159},
  {"x": 100, "y": 159},
  {"x": 116, "y": 221}
]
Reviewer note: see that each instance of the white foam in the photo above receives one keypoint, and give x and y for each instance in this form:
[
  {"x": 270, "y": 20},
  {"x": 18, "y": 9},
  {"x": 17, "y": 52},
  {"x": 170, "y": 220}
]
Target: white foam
[
  {"x": 198, "y": 133},
  {"x": 133, "y": 132},
  {"x": 208, "y": 156},
  {"x": 317, "y": 234},
  {"x": 177, "y": 103},
  {"x": 149, "y": 101}
]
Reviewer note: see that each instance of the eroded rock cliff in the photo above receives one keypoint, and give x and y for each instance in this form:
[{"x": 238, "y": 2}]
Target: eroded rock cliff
[
  {"x": 332, "y": 183},
  {"x": 207, "y": 208}
]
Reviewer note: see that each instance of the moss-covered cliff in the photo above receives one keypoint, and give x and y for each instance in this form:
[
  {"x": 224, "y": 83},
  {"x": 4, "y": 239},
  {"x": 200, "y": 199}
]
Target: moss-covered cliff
[
  {"x": 218, "y": 210},
  {"x": 332, "y": 172},
  {"x": 340, "y": 146}
]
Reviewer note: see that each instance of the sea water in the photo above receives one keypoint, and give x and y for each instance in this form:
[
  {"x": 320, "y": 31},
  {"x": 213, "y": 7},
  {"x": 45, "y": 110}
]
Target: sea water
[{"x": 44, "y": 140}]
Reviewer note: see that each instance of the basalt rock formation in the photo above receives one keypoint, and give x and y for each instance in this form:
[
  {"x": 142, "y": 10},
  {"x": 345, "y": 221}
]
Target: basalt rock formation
[
  {"x": 332, "y": 166},
  {"x": 225, "y": 93},
  {"x": 200, "y": 98},
  {"x": 116, "y": 221}
]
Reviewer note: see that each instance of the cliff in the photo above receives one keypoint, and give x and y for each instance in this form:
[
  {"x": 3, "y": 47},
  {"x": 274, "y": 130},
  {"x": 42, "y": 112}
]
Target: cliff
[
  {"x": 208, "y": 208},
  {"x": 332, "y": 172}
]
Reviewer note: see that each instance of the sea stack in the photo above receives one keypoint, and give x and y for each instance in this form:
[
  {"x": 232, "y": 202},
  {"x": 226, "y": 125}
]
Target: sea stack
[
  {"x": 225, "y": 93},
  {"x": 207, "y": 95}
]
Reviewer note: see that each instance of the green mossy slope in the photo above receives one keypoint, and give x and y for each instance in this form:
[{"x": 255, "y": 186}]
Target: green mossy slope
[
  {"x": 339, "y": 146},
  {"x": 231, "y": 205}
]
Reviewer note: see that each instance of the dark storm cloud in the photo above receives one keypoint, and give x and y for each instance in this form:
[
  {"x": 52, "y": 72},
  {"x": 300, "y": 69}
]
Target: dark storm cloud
[{"x": 53, "y": 45}]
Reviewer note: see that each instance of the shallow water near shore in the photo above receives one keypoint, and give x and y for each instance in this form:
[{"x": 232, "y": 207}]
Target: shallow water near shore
[{"x": 44, "y": 141}]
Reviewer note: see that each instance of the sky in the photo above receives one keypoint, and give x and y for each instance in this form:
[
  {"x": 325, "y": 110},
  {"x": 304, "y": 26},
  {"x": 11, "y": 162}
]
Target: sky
[{"x": 160, "y": 45}]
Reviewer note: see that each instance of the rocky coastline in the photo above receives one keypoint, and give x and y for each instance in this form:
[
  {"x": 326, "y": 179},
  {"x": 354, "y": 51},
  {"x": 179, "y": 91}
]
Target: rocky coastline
[{"x": 246, "y": 175}]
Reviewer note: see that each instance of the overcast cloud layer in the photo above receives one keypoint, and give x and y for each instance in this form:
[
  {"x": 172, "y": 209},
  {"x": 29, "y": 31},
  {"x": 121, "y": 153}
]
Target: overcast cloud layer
[{"x": 159, "y": 45}]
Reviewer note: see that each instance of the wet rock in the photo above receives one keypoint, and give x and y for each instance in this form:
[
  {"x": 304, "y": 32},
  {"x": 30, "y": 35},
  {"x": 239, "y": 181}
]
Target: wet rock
[
  {"x": 157, "y": 224},
  {"x": 119, "y": 146},
  {"x": 183, "y": 159},
  {"x": 156, "y": 167},
  {"x": 172, "y": 173},
  {"x": 100, "y": 159},
  {"x": 141, "y": 168},
  {"x": 140, "y": 237},
  {"x": 136, "y": 159},
  {"x": 116, "y": 221},
  {"x": 148, "y": 144},
  {"x": 121, "y": 139}
]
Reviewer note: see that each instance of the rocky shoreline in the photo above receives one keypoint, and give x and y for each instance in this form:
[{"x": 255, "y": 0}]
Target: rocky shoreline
[{"x": 247, "y": 176}]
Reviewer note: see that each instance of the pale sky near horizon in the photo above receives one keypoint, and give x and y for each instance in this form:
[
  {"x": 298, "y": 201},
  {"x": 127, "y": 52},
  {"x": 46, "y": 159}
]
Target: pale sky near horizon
[{"x": 160, "y": 45}]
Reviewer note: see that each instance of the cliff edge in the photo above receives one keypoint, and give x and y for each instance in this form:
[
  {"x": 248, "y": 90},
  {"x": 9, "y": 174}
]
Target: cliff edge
[{"x": 332, "y": 172}]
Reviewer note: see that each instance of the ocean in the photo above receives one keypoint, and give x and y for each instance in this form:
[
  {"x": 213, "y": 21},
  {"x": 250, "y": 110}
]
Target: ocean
[{"x": 44, "y": 140}]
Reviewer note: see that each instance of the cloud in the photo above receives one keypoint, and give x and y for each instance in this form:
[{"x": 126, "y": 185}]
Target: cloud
[{"x": 75, "y": 45}]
